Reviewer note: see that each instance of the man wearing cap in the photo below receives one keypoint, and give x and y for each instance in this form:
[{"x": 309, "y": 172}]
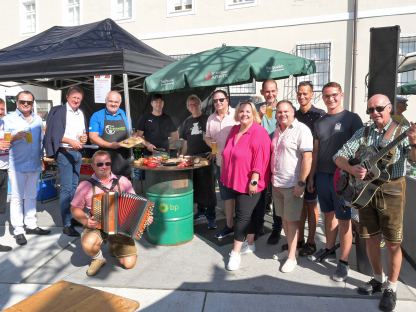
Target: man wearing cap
[
  {"x": 156, "y": 127},
  {"x": 401, "y": 106}
]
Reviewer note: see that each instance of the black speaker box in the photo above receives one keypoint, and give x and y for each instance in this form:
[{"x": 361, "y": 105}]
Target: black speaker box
[{"x": 384, "y": 49}]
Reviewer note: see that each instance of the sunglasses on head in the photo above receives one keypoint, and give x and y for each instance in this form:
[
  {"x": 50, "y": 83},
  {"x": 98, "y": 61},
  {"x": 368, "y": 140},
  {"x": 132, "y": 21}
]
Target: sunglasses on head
[
  {"x": 378, "y": 109},
  {"x": 25, "y": 102},
  {"x": 100, "y": 164},
  {"x": 218, "y": 100}
]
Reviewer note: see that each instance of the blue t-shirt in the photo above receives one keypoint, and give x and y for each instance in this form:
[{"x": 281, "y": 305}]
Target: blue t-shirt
[{"x": 98, "y": 118}]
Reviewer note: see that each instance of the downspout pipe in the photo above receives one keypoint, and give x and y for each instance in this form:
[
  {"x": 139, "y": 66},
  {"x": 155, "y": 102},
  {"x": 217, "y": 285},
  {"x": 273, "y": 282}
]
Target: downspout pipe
[{"x": 354, "y": 56}]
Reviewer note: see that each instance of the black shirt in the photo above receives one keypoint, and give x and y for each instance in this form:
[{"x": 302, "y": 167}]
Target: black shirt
[
  {"x": 192, "y": 130},
  {"x": 309, "y": 118},
  {"x": 157, "y": 129}
]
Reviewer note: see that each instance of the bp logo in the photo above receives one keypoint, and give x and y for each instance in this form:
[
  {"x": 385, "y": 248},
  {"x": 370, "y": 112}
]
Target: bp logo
[
  {"x": 109, "y": 129},
  {"x": 163, "y": 208}
]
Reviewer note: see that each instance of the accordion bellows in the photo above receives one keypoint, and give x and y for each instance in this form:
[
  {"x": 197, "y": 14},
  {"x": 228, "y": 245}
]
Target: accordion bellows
[{"x": 122, "y": 213}]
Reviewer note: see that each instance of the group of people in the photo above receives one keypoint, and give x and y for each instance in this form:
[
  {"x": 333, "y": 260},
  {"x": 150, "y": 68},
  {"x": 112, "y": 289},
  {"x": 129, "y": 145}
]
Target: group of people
[
  {"x": 293, "y": 154},
  {"x": 259, "y": 155}
]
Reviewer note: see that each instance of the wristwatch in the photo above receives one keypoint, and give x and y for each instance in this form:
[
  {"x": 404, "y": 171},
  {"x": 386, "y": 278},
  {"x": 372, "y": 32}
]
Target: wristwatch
[
  {"x": 301, "y": 183},
  {"x": 253, "y": 182}
]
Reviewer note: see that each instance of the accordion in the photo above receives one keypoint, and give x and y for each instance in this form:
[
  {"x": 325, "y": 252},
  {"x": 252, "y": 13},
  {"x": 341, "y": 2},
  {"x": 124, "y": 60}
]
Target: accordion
[{"x": 121, "y": 213}]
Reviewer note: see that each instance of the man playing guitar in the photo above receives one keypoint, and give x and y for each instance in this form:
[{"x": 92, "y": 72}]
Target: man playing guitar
[{"x": 383, "y": 216}]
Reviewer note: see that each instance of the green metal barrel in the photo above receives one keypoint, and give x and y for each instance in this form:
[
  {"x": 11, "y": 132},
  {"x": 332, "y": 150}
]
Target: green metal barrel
[{"x": 173, "y": 213}]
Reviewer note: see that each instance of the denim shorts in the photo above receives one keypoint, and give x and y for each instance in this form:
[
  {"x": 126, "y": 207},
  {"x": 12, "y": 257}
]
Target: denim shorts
[{"x": 328, "y": 199}]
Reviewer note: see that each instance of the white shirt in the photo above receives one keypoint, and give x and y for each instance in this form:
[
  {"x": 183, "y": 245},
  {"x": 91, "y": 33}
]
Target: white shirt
[
  {"x": 75, "y": 125},
  {"x": 287, "y": 149},
  {"x": 4, "y": 156},
  {"x": 218, "y": 130}
]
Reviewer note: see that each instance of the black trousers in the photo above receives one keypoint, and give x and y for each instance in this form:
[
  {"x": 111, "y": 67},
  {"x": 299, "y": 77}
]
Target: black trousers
[
  {"x": 246, "y": 218},
  {"x": 4, "y": 177}
]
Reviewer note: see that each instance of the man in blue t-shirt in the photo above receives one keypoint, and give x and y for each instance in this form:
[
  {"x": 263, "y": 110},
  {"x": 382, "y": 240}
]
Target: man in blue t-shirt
[{"x": 108, "y": 127}]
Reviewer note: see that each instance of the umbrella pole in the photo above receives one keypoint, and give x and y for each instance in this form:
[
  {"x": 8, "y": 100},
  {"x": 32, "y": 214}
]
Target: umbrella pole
[{"x": 127, "y": 105}]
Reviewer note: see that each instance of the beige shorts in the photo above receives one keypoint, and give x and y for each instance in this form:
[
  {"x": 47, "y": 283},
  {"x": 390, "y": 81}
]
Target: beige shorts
[
  {"x": 288, "y": 207},
  {"x": 119, "y": 245}
]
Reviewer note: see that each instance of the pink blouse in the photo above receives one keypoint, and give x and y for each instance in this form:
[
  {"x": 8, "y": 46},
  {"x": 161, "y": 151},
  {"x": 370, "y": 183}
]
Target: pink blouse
[{"x": 250, "y": 154}]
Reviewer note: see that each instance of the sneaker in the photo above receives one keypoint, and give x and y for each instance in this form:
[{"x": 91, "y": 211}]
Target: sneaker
[
  {"x": 341, "y": 273},
  {"x": 4, "y": 248},
  {"x": 388, "y": 300},
  {"x": 299, "y": 245},
  {"x": 307, "y": 250},
  {"x": 234, "y": 262},
  {"x": 212, "y": 225},
  {"x": 37, "y": 231},
  {"x": 322, "y": 254},
  {"x": 371, "y": 287},
  {"x": 199, "y": 217},
  {"x": 246, "y": 248},
  {"x": 274, "y": 237},
  {"x": 20, "y": 239},
  {"x": 289, "y": 265},
  {"x": 226, "y": 231},
  {"x": 95, "y": 266}
]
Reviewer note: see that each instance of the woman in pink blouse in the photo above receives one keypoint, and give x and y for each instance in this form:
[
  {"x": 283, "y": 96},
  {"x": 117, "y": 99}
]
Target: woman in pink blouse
[{"x": 245, "y": 173}]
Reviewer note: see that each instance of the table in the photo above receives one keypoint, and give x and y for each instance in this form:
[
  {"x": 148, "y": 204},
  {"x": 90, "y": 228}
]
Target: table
[{"x": 171, "y": 189}]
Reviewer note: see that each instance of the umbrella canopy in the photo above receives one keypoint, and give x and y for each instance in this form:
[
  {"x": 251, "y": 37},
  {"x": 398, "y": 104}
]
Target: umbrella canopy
[
  {"x": 408, "y": 88},
  {"x": 227, "y": 65},
  {"x": 407, "y": 62}
]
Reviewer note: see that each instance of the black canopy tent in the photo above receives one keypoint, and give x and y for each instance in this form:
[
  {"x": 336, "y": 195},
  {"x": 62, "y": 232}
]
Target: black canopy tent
[{"x": 61, "y": 57}]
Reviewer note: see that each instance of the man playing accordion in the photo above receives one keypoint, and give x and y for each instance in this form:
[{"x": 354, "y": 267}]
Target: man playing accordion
[{"x": 120, "y": 246}]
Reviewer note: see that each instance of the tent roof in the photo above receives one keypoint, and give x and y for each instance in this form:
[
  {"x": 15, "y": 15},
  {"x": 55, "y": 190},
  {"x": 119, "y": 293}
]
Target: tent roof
[
  {"x": 407, "y": 62},
  {"x": 62, "y": 56}
]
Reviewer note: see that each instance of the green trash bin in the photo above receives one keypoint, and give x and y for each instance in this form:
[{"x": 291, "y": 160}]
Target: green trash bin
[{"x": 172, "y": 214}]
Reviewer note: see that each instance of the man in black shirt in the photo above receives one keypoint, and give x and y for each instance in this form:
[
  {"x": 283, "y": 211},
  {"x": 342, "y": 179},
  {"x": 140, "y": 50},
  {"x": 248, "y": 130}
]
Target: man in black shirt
[
  {"x": 192, "y": 131},
  {"x": 156, "y": 127},
  {"x": 308, "y": 114}
]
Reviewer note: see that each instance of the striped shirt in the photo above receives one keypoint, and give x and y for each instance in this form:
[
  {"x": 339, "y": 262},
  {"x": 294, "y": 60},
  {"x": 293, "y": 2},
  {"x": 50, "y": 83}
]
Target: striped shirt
[{"x": 375, "y": 138}]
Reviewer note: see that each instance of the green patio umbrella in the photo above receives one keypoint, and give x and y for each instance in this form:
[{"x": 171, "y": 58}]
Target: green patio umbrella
[
  {"x": 227, "y": 65},
  {"x": 408, "y": 88}
]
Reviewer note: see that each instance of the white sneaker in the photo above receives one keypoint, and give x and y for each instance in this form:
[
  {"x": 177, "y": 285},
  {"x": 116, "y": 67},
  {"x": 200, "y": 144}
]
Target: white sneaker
[
  {"x": 246, "y": 248},
  {"x": 289, "y": 265},
  {"x": 234, "y": 262}
]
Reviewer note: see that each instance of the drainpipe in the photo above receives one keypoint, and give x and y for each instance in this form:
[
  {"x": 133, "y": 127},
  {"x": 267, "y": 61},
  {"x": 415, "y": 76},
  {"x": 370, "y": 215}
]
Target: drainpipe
[{"x": 354, "y": 55}]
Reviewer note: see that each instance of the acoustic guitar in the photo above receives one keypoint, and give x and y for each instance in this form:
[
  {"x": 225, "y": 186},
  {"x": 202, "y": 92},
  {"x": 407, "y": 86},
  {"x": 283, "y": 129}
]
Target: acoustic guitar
[{"x": 358, "y": 193}]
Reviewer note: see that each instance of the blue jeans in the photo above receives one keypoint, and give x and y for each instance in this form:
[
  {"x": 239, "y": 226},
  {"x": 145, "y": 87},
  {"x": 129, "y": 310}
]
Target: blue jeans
[{"x": 69, "y": 165}]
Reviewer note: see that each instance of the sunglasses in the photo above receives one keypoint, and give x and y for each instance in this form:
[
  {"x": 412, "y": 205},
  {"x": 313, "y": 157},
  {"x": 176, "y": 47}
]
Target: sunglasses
[
  {"x": 218, "y": 100},
  {"x": 378, "y": 109},
  {"x": 100, "y": 164},
  {"x": 25, "y": 102}
]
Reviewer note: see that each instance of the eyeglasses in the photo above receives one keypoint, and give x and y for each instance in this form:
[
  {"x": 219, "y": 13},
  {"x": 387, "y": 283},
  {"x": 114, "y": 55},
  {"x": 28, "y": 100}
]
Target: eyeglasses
[
  {"x": 218, "y": 100},
  {"x": 100, "y": 164},
  {"x": 25, "y": 102},
  {"x": 328, "y": 96},
  {"x": 378, "y": 109}
]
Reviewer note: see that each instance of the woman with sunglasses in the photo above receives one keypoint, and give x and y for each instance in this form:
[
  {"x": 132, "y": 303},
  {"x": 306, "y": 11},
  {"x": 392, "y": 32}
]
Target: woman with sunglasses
[
  {"x": 245, "y": 170},
  {"x": 122, "y": 247}
]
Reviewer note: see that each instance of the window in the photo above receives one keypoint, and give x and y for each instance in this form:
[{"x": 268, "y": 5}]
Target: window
[
  {"x": 407, "y": 45},
  {"x": 28, "y": 16},
  {"x": 72, "y": 12},
  {"x": 237, "y": 4},
  {"x": 246, "y": 88},
  {"x": 122, "y": 10},
  {"x": 180, "y": 7},
  {"x": 321, "y": 54}
]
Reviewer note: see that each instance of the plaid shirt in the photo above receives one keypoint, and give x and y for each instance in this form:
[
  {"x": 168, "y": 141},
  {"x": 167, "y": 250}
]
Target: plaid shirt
[{"x": 375, "y": 138}]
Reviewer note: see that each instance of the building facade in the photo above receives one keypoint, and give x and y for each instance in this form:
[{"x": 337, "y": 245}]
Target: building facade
[{"x": 322, "y": 30}]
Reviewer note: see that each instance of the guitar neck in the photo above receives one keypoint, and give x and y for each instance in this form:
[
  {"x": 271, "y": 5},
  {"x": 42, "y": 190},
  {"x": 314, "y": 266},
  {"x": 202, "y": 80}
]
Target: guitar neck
[{"x": 374, "y": 159}]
